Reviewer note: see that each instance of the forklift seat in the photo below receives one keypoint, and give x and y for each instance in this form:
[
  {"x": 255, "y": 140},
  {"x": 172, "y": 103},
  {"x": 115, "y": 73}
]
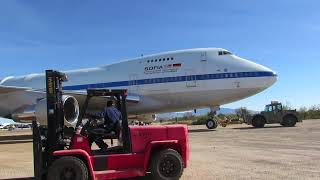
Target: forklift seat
[
  {"x": 108, "y": 132},
  {"x": 104, "y": 133}
]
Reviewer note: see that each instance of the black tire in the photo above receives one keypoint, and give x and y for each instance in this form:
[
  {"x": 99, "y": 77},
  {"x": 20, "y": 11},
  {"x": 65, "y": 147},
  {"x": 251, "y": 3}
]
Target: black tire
[
  {"x": 211, "y": 124},
  {"x": 258, "y": 122},
  {"x": 68, "y": 168},
  {"x": 166, "y": 165},
  {"x": 289, "y": 121}
]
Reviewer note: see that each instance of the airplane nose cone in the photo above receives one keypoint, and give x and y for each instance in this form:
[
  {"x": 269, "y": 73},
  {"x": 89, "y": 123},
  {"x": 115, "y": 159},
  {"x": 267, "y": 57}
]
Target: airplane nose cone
[
  {"x": 261, "y": 68},
  {"x": 269, "y": 77},
  {"x": 265, "y": 76},
  {"x": 274, "y": 74},
  {"x": 272, "y": 79}
]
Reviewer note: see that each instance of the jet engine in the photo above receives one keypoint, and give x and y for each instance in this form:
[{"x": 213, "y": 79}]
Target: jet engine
[{"x": 38, "y": 112}]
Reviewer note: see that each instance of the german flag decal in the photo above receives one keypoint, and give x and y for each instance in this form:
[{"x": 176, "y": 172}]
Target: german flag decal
[{"x": 177, "y": 65}]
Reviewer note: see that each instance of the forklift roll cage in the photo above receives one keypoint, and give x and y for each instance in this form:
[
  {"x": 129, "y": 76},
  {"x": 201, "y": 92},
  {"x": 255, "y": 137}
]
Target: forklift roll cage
[{"x": 120, "y": 96}]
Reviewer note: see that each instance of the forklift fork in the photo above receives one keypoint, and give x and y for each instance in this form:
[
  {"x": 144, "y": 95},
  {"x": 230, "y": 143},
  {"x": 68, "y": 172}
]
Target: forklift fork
[{"x": 37, "y": 151}]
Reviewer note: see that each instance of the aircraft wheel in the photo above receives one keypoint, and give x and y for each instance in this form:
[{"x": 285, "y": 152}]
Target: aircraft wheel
[
  {"x": 166, "y": 165},
  {"x": 258, "y": 122},
  {"x": 68, "y": 168},
  {"x": 211, "y": 124},
  {"x": 289, "y": 121}
]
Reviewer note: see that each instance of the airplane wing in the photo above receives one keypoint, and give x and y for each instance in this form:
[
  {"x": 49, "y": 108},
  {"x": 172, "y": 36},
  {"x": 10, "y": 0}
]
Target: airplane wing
[
  {"x": 10, "y": 89},
  {"x": 79, "y": 95},
  {"x": 30, "y": 96}
]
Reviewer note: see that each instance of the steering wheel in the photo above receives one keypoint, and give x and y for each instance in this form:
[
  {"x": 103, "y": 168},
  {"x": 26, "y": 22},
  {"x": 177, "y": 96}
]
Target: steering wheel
[{"x": 93, "y": 121}]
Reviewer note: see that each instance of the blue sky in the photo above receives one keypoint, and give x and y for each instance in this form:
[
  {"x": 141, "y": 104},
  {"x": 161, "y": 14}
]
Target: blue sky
[{"x": 280, "y": 34}]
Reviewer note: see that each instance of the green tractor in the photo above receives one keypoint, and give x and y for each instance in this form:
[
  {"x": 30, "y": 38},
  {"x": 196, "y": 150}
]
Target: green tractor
[{"x": 274, "y": 113}]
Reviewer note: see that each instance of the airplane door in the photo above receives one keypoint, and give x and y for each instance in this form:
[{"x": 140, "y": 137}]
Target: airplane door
[
  {"x": 191, "y": 80},
  {"x": 203, "y": 66},
  {"x": 133, "y": 84},
  {"x": 203, "y": 62},
  {"x": 203, "y": 56}
]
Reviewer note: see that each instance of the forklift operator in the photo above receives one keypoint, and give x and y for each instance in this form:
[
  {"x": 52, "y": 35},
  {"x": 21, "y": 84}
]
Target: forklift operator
[{"x": 112, "y": 117}]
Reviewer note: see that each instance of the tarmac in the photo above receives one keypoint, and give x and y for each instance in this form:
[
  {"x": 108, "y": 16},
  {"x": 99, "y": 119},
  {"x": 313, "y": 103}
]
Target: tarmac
[{"x": 234, "y": 152}]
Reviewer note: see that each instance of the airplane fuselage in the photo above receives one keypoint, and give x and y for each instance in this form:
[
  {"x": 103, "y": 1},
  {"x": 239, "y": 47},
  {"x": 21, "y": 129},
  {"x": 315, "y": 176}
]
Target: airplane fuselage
[{"x": 166, "y": 82}]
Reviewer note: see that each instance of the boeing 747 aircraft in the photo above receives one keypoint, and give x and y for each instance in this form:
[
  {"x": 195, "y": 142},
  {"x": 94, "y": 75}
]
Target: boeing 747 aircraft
[{"x": 165, "y": 82}]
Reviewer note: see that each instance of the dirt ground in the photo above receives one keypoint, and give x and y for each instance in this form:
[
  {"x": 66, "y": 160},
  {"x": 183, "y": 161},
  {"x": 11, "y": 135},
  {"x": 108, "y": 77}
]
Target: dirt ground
[{"x": 234, "y": 152}]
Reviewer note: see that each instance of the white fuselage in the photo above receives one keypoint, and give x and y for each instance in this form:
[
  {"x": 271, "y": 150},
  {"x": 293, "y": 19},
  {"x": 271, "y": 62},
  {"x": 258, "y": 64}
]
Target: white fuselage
[{"x": 166, "y": 82}]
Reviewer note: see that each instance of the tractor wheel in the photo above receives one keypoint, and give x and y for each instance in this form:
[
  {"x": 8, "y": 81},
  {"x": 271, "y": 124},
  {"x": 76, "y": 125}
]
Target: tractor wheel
[
  {"x": 211, "y": 124},
  {"x": 68, "y": 168},
  {"x": 166, "y": 165},
  {"x": 258, "y": 122},
  {"x": 289, "y": 121}
]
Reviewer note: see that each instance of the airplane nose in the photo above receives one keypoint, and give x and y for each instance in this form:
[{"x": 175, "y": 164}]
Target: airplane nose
[
  {"x": 273, "y": 78},
  {"x": 269, "y": 75},
  {"x": 269, "y": 71}
]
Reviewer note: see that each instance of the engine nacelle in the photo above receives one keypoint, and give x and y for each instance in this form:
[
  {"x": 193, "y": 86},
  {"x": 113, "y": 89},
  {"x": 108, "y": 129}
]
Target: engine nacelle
[{"x": 38, "y": 112}]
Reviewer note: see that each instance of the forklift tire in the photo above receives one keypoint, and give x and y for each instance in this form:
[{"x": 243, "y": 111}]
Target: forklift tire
[
  {"x": 211, "y": 124},
  {"x": 258, "y": 122},
  {"x": 289, "y": 121},
  {"x": 166, "y": 165},
  {"x": 68, "y": 168}
]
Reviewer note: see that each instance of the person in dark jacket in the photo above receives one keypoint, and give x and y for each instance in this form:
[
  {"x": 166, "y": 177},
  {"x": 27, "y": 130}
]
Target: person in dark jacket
[{"x": 112, "y": 117}]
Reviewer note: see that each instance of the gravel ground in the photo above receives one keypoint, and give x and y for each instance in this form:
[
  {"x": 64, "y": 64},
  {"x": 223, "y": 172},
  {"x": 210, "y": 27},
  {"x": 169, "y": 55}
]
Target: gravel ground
[{"x": 234, "y": 152}]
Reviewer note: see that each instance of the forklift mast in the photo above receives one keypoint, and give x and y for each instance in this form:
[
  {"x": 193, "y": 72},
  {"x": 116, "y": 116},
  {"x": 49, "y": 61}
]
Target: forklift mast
[
  {"x": 55, "y": 112},
  {"x": 48, "y": 139}
]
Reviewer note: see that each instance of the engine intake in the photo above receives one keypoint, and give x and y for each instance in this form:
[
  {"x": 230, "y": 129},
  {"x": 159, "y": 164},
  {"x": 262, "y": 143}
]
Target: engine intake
[{"x": 38, "y": 112}]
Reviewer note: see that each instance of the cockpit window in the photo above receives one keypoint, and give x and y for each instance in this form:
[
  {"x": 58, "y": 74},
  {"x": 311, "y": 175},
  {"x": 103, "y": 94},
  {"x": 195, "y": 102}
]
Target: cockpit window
[{"x": 224, "y": 53}]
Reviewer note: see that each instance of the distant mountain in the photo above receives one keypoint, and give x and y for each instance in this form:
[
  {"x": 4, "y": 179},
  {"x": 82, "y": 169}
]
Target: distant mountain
[
  {"x": 205, "y": 111},
  {"x": 199, "y": 112},
  {"x": 227, "y": 111}
]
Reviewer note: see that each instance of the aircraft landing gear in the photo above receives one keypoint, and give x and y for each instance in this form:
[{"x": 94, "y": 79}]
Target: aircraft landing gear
[{"x": 212, "y": 123}]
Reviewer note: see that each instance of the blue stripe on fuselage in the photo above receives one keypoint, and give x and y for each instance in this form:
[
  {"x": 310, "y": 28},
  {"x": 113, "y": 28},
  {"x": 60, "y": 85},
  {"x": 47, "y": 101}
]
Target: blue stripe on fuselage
[{"x": 171, "y": 79}]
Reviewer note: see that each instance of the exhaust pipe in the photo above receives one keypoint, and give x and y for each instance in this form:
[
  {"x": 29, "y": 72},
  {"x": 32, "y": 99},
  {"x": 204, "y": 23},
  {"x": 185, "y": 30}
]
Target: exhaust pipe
[{"x": 38, "y": 112}]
